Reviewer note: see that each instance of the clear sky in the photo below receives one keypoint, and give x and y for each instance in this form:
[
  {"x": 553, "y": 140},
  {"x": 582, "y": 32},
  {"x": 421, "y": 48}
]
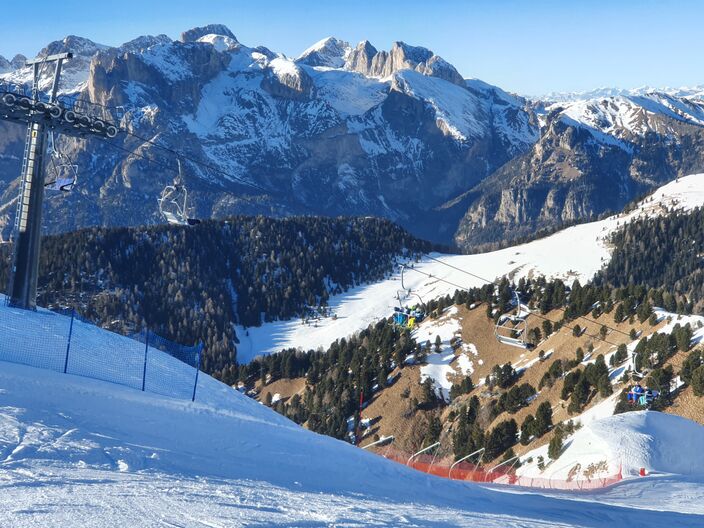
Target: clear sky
[{"x": 529, "y": 47}]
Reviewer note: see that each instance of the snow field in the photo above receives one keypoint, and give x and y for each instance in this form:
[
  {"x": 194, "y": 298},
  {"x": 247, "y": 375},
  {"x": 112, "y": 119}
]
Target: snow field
[{"x": 77, "y": 451}]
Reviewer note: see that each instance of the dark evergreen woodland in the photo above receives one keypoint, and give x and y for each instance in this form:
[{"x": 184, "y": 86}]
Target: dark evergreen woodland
[
  {"x": 195, "y": 283},
  {"x": 662, "y": 252}
]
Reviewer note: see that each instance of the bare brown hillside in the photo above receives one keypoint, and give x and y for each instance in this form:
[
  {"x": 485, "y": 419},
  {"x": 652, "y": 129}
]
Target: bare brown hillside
[{"x": 468, "y": 346}]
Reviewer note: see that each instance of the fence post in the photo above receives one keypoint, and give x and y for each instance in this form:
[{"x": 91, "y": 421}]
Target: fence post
[
  {"x": 68, "y": 345},
  {"x": 146, "y": 349},
  {"x": 197, "y": 371}
]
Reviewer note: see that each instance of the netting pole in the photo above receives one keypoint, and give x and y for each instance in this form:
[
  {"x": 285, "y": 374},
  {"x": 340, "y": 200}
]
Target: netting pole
[
  {"x": 146, "y": 349},
  {"x": 68, "y": 345},
  {"x": 195, "y": 384}
]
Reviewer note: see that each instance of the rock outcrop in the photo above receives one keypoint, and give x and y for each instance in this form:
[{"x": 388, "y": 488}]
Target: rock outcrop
[
  {"x": 592, "y": 158},
  {"x": 367, "y": 60}
]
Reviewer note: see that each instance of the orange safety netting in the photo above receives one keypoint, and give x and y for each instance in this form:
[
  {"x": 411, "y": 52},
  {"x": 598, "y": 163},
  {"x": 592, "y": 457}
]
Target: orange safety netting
[{"x": 445, "y": 468}]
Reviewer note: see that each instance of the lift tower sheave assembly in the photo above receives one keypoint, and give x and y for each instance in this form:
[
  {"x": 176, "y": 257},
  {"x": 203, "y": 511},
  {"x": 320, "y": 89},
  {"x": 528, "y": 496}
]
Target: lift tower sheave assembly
[
  {"x": 28, "y": 222},
  {"x": 41, "y": 115}
]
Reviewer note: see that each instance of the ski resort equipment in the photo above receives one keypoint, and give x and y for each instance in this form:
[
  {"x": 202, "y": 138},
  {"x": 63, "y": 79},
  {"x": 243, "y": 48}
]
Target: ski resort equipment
[
  {"x": 408, "y": 317},
  {"x": 63, "y": 174},
  {"x": 404, "y": 316},
  {"x": 642, "y": 396},
  {"x": 41, "y": 113},
  {"x": 173, "y": 202},
  {"x": 511, "y": 328}
]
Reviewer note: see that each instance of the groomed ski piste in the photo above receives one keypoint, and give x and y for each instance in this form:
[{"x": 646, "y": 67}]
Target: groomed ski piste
[
  {"x": 80, "y": 452},
  {"x": 577, "y": 252}
]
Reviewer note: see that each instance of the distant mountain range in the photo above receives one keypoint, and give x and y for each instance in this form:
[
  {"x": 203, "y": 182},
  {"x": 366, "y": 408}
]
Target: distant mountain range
[
  {"x": 349, "y": 130},
  {"x": 568, "y": 97}
]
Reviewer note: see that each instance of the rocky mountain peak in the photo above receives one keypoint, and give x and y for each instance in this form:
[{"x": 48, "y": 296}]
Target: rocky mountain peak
[
  {"x": 146, "y": 41},
  {"x": 330, "y": 52},
  {"x": 411, "y": 54},
  {"x": 360, "y": 58},
  {"x": 285, "y": 79},
  {"x": 192, "y": 35},
  {"x": 76, "y": 45},
  {"x": 18, "y": 61},
  {"x": 367, "y": 60},
  {"x": 5, "y": 65},
  {"x": 438, "y": 67}
]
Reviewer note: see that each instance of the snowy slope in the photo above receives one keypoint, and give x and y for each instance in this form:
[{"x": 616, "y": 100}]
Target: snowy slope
[
  {"x": 660, "y": 443},
  {"x": 77, "y": 452},
  {"x": 574, "y": 253},
  {"x": 455, "y": 107},
  {"x": 618, "y": 119}
]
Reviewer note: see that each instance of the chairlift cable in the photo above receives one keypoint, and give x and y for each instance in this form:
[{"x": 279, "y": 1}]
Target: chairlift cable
[
  {"x": 539, "y": 316},
  {"x": 495, "y": 282},
  {"x": 161, "y": 164}
]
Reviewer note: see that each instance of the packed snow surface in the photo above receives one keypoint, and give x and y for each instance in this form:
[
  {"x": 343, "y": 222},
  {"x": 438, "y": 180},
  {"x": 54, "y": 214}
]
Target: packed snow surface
[
  {"x": 80, "y": 452},
  {"x": 657, "y": 442},
  {"x": 574, "y": 253}
]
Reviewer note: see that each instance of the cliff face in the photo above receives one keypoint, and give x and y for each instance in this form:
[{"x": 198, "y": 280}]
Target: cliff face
[
  {"x": 592, "y": 157},
  {"x": 336, "y": 131},
  {"x": 367, "y": 60}
]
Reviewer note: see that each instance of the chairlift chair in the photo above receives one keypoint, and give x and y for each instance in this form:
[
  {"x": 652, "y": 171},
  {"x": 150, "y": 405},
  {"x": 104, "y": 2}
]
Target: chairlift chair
[
  {"x": 511, "y": 328},
  {"x": 407, "y": 316},
  {"x": 173, "y": 203},
  {"x": 64, "y": 178},
  {"x": 63, "y": 174}
]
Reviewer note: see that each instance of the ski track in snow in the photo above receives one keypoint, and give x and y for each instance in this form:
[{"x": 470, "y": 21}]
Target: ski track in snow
[
  {"x": 82, "y": 452},
  {"x": 76, "y": 451}
]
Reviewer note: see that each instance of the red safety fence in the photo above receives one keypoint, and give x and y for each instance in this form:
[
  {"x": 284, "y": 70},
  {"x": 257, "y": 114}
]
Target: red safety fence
[{"x": 466, "y": 471}]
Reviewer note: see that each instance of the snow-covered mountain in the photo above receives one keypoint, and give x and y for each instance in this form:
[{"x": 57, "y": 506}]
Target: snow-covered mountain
[
  {"x": 338, "y": 130},
  {"x": 329, "y": 52},
  {"x": 598, "y": 93},
  {"x": 632, "y": 117},
  {"x": 345, "y": 129},
  {"x": 594, "y": 156},
  {"x": 77, "y": 451}
]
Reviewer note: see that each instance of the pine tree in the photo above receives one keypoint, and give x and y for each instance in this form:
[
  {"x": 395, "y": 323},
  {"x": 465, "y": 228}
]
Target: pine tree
[
  {"x": 555, "y": 446},
  {"x": 543, "y": 419}
]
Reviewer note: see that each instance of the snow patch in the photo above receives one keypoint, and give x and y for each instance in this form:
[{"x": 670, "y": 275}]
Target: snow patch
[{"x": 219, "y": 42}]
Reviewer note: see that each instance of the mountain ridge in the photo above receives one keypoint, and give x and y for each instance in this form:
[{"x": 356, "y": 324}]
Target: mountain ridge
[
  {"x": 343, "y": 130},
  {"x": 319, "y": 140}
]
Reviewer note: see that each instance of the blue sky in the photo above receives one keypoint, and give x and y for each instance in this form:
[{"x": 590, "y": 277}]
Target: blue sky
[{"x": 530, "y": 47}]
